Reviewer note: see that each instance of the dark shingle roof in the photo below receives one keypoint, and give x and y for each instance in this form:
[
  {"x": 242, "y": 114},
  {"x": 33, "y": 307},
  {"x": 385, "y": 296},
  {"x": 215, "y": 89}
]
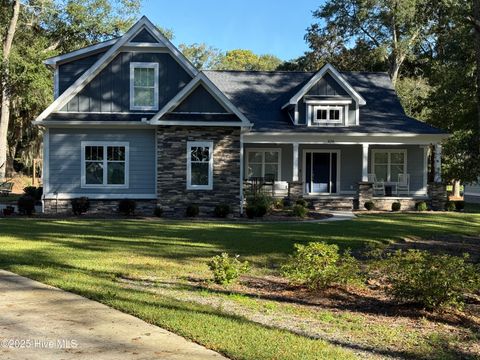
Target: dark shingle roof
[{"x": 261, "y": 95}]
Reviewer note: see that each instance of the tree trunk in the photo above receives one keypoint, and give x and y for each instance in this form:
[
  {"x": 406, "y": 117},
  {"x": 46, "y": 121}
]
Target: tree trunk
[
  {"x": 5, "y": 96},
  {"x": 476, "y": 28}
]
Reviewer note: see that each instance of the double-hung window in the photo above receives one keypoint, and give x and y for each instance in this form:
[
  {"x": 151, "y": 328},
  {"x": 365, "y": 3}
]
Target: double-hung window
[
  {"x": 200, "y": 165},
  {"x": 143, "y": 86},
  {"x": 263, "y": 163},
  {"x": 327, "y": 114},
  {"x": 388, "y": 164},
  {"x": 104, "y": 164}
]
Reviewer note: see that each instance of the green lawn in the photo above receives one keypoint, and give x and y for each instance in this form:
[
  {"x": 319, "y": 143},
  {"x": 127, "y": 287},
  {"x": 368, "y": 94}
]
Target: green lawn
[{"x": 89, "y": 257}]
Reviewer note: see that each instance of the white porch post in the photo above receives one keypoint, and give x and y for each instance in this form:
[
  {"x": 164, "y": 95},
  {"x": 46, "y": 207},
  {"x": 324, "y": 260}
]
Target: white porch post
[
  {"x": 241, "y": 171},
  {"x": 365, "y": 162},
  {"x": 295, "y": 162},
  {"x": 438, "y": 163}
]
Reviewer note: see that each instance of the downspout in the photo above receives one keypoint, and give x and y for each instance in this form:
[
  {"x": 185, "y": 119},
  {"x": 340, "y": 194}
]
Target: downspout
[{"x": 241, "y": 171}]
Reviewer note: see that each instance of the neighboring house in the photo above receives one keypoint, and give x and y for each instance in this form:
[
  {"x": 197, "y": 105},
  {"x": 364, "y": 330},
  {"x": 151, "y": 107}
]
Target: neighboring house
[
  {"x": 472, "y": 193},
  {"x": 132, "y": 118}
]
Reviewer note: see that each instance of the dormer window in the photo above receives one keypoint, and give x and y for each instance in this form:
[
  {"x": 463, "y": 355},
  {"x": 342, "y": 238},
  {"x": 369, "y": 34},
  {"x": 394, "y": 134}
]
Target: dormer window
[{"x": 327, "y": 115}]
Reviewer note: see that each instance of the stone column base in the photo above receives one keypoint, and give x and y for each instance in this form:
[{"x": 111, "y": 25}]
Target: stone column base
[
  {"x": 364, "y": 194},
  {"x": 437, "y": 194}
]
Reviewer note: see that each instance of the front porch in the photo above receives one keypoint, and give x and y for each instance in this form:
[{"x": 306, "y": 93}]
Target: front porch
[{"x": 330, "y": 175}]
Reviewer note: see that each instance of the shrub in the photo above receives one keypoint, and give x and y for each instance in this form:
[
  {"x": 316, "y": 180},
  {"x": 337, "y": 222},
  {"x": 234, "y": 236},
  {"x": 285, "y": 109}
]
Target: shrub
[
  {"x": 460, "y": 205},
  {"x": 34, "y": 192},
  {"x": 396, "y": 206},
  {"x": 80, "y": 205},
  {"x": 319, "y": 265},
  {"x": 421, "y": 206},
  {"x": 299, "y": 211},
  {"x": 278, "y": 204},
  {"x": 302, "y": 202},
  {"x": 450, "y": 206},
  {"x": 158, "y": 212},
  {"x": 434, "y": 281},
  {"x": 369, "y": 205},
  {"x": 227, "y": 269},
  {"x": 222, "y": 210},
  {"x": 26, "y": 205},
  {"x": 192, "y": 210},
  {"x": 286, "y": 201},
  {"x": 258, "y": 205},
  {"x": 127, "y": 206}
]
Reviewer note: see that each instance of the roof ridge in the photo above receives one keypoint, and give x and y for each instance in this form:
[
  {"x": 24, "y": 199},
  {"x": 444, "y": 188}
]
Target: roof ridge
[{"x": 260, "y": 71}]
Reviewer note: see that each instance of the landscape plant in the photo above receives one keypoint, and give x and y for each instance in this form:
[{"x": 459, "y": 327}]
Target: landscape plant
[{"x": 227, "y": 269}]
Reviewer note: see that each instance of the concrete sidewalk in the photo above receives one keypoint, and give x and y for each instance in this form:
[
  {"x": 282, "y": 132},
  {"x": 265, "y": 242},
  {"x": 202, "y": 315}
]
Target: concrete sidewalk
[{"x": 38, "y": 321}]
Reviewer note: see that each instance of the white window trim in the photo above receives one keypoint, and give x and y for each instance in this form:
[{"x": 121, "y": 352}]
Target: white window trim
[
  {"x": 389, "y": 162},
  {"x": 263, "y": 151},
  {"x": 304, "y": 172},
  {"x": 105, "y": 145},
  {"x": 191, "y": 144},
  {"x": 144, "y": 65},
  {"x": 315, "y": 122}
]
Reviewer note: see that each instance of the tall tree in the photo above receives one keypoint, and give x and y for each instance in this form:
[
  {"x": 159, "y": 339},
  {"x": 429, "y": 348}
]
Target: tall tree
[
  {"x": 241, "y": 59},
  {"x": 201, "y": 56},
  {"x": 393, "y": 29},
  {"x": 5, "y": 85}
]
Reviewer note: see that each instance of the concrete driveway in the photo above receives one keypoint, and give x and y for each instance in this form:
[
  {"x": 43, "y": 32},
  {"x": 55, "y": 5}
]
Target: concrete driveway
[{"x": 38, "y": 321}]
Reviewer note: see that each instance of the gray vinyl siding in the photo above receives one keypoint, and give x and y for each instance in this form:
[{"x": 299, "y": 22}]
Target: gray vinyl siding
[
  {"x": 69, "y": 72},
  {"x": 415, "y": 164},
  {"x": 200, "y": 100},
  {"x": 109, "y": 91},
  {"x": 65, "y": 159},
  {"x": 350, "y": 163}
]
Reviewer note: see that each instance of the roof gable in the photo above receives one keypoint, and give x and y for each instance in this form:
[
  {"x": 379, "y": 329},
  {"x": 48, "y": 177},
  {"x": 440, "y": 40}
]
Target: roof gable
[
  {"x": 144, "y": 36},
  {"x": 200, "y": 100},
  {"x": 109, "y": 55},
  {"x": 315, "y": 81},
  {"x": 200, "y": 80}
]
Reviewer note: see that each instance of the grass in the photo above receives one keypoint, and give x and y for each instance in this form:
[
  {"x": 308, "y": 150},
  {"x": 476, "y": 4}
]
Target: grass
[{"x": 89, "y": 257}]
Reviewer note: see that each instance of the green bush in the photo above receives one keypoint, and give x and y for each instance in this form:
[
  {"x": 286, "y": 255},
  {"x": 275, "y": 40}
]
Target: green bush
[
  {"x": 278, "y": 204},
  {"x": 319, "y": 265},
  {"x": 127, "y": 206},
  {"x": 302, "y": 202},
  {"x": 299, "y": 211},
  {"x": 450, "y": 206},
  {"x": 192, "y": 210},
  {"x": 158, "y": 212},
  {"x": 369, "y": 205},
  {"x": 222, "y": 210},
  {"x": 26, "y": 205},
  {"x": 460, "y": 205},
  {"x": 287, "y": 202},
  {"x": 396, "y": 206},
  {"x": 227, "y": 269},
  {"x": 258, "y": 205},
  {"x": 34, "y": 192},
  {"x": 421, "y": 206},
  {"x": 80, "y": 205},
  {"x": 434, "y": 281}
]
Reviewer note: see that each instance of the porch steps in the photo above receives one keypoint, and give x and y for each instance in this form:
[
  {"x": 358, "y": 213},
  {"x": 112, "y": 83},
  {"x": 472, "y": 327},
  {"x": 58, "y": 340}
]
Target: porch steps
[{"x": 331, "y": 203}]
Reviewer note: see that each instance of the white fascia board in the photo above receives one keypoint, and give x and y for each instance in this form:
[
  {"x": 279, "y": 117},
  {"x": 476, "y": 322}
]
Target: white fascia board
[
  {"x": 105, "y": 59},
  {"x": 66, "y": 196},
  {"x": 89, "y": 124},
  {"x": 201, "y": 78},
  {"x": 200, "y": 123},
  {"x": 336, "y": 75},
  {"x": 339, "y": 138},
  {"x": 53, "y": 61}
]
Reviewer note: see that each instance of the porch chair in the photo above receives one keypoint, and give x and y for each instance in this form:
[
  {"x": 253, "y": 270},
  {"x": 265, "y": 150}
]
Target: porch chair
[
  {"x": 378, "y": 186},
  {"x": 403, "y": 185}
]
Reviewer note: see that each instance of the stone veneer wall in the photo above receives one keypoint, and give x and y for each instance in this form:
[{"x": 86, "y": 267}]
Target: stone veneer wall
[
  {"x": 437, "y": 193},
  {"x": 100, "y": 207},
  {"x": 173, "y": 195}
]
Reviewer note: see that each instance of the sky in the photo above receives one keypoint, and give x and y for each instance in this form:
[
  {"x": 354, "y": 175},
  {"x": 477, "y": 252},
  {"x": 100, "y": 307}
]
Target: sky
[{"x": 264, "y": 26}]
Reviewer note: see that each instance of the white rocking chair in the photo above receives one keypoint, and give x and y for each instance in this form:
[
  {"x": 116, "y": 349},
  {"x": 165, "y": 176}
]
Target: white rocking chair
[
  {"x": 403, "y": 185},
  {"x": 378, "y": 186}
]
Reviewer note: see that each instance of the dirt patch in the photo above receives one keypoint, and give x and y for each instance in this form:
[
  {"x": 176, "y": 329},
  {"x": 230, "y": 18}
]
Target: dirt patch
[{"x": 443, "y": 244}]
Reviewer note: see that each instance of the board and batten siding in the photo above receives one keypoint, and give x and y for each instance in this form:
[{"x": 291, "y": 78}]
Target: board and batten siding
[
  {"x": 65, "y": 160},
  {"x": 109, "y": 91}
]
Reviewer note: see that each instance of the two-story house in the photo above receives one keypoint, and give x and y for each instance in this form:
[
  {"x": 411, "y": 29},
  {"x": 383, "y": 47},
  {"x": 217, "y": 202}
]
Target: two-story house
[{"x": 132, "y": 118}]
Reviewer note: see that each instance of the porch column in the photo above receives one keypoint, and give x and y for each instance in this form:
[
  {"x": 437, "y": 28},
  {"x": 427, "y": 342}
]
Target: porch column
[
  {"x": 365, "y": 162},
  {"x": 295, "y": 162},
  {"x": 437, "y": 165}
]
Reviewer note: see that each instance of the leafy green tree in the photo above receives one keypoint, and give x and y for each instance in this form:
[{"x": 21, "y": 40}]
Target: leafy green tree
[
  {"x": 241, "y": 59},
  {"x": 201, "y": 56}
]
